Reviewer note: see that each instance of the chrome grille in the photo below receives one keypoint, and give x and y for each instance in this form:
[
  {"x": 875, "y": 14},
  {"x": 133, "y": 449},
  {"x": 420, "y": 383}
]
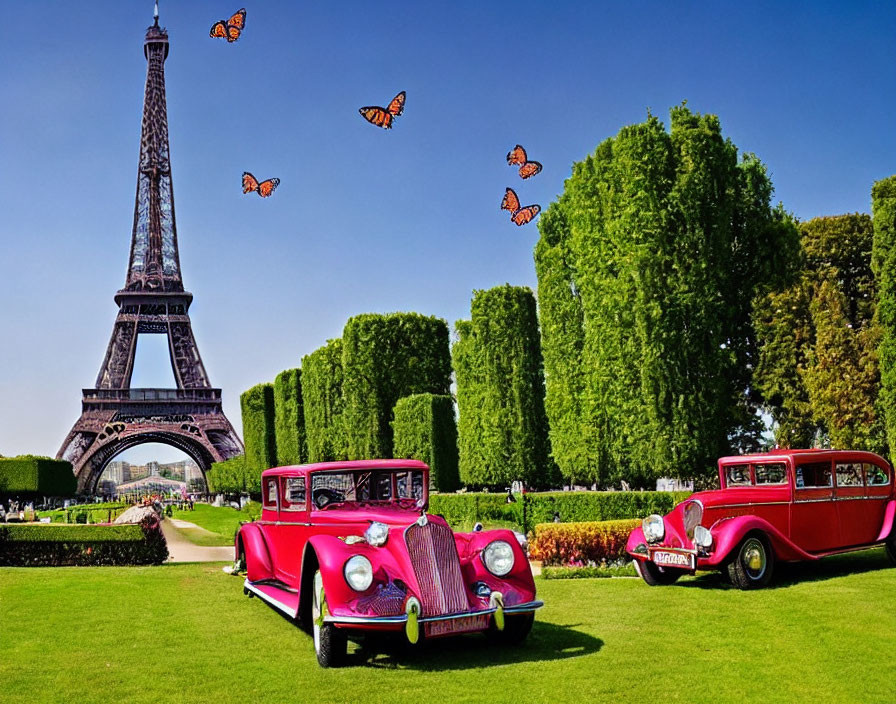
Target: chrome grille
[{"x": 433, "y": 554}]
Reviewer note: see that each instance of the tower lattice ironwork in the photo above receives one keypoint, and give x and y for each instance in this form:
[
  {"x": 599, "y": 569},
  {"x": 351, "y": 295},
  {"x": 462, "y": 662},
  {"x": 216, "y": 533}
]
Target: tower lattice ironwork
[{"x": 115, "y": 416}]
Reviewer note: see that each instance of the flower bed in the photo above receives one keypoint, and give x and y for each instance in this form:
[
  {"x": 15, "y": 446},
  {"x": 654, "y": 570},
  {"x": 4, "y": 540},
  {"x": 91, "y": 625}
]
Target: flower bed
[{"x": 581, "y": 544}]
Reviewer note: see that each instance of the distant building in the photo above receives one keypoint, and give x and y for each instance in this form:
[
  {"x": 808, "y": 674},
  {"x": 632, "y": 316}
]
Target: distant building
[{"x": 117, "y": 473}]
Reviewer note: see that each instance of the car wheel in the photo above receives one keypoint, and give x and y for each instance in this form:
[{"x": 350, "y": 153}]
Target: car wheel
[
  {"x": 655, "y": 575},
  {"x": 752, "y": 564},
  {"x": 516, "y": 629},
  {"x": 330, "y": 644}
]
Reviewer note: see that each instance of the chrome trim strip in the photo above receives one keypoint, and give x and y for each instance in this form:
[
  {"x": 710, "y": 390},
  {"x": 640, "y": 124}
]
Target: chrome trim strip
[
  {"x": 814, "y": 501},
  {"x": 760, "y": 503},
  {"x": 523, "y": 608},
  {"x": 517, "y": 609},
  {"x": 271, "y": 600},
  {"x": 861, "y": 498}
]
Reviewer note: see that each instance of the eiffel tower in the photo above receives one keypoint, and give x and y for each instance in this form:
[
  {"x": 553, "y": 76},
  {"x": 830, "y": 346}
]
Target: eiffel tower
[{"x": 115, "y": 416}]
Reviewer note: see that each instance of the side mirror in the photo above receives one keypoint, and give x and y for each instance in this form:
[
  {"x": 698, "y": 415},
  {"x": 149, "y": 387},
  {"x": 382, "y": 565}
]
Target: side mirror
[{"x": 477, "y": 527}]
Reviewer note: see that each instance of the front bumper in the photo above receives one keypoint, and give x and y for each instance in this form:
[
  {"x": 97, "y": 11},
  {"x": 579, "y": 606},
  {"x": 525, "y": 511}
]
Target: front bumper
[{"x": 401, "y": 619}]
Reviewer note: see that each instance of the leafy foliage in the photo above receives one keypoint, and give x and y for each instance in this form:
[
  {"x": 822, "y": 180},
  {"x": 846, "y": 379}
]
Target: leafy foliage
[
  {"x": 500, "y": 392},
  {"x": 257, "y": 405},
  {"x": 581, "y": 544},
  {"x": 289, "y": 418},
  {"x": 818, "y": 368},
  {"x": 233, "y": 477},
  {"x": 424, "y": 429},
  {"x": 647, "y": 267},
  {"x": 323, "y": 403},
  {"x": 29, "y": 476},
  {"x": 386, "y": 357},
  {"x": 883, "y": 208}
]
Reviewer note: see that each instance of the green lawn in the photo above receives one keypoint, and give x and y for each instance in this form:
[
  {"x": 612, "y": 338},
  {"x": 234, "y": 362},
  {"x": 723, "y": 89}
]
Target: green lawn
[
  {"x": 825, "y": 633},
  {"x": 218, "y": 524}
]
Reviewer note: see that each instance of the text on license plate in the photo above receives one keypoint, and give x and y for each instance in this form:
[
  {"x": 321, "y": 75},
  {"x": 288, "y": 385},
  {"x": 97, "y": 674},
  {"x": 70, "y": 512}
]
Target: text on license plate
[
  {"x": 457, "y": 625},
  {"x": 673, "y": 559}
]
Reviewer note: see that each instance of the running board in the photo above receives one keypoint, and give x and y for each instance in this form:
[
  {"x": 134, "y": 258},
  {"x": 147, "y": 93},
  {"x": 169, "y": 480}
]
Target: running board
[{"x": 285, "y": 601}]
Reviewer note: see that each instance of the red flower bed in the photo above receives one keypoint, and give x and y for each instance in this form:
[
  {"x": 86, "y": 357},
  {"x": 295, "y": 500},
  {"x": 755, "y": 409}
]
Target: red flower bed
[{"x": 580, "y": 544}]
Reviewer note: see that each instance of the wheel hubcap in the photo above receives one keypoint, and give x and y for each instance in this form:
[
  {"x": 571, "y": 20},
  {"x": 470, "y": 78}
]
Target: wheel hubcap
[{"x": 753, "y": 558}]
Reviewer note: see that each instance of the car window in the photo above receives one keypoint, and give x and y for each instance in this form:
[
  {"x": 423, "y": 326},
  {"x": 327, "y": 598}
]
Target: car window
[
  {"x": 772, "y": 473},
  {"x": 814, "y": 475},
  {"x": 409, "y": 485},
  {"x": 332, "y": 488},
  {"x": 738, "y": 475},
  {"x": 293, "y": 494},
  {"x": 876, "y": 476},
  {"x": 270, "y": 494},
  {"x": 849, "y": 474}
]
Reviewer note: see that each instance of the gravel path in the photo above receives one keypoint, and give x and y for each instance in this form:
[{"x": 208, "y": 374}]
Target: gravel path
[{"x": 182, "y": 550}]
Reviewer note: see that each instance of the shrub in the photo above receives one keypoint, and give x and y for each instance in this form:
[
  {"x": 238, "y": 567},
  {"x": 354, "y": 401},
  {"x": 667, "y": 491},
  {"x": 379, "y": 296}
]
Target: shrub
[
  {"x": 425, "y": 430},
  {"x": 257, "y": 405},
  {"x": 30, "y": 477},
  {"x": 618, "y": 570},
  {"x": 323, "y": 405},
  {"x": 386, "y": 357},
  {"x": 289, "y": 418},
  {"x": 58, "y": 545},
  {"x": 232, "y": 477},
  {"x": 581, "y": 544}
]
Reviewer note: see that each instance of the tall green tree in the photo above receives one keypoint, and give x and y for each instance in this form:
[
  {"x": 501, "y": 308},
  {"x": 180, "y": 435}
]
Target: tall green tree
[
  {"x": 647, "y": 267},
  {"x": 500, "y": 392},
  {"x": 818, "y": 365},
  {"x": 257, "y": 405},
  {"x": 289, "y": 418},
  {"x": 386, "y": 357},
  {"x": 323, "y": 404},
  {"x": 883, "y": 209}
]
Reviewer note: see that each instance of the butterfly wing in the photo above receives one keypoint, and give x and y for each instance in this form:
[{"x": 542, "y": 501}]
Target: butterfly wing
[
  {"x": 265, "y": 188},
  {"x": 529, "y": 169},
  {"x": 233, "y": 33},
  {"x": 250, "y": 183},
  {"x": 510, "y": 202},
  {"x": 517, "y": 155},
  {"x": 238, "y": 19},
  {"x": 377, "y": 116},
  {"x": 396, "y": 107},
  {"x": 219, "y": 29},
  {"x": 524, "y": 215}
]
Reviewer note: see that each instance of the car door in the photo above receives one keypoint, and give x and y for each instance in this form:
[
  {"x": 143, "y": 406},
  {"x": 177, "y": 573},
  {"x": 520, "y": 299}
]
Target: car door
[
  {"x": 288, "y": 533},
  {"x": 852, "y": 508},
  {"x": 878, "y": 491},
  {"x": 814, "y": 525}
]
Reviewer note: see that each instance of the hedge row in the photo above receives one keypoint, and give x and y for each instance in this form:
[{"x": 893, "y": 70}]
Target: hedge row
[
  {"x": 289, "y": 418},
  {"x": 58, "y": 545},
  {"x": 99, "y": 513},
  {"x": 257, "y": 406},
  {"x": 384, "y": 358},
  {"x": 425, "y": 430},
  {"x": 30, "y": 477},
  {"x": 233, "y": 477},
  {"x": 581, "y": 544},
  {"x": 323, "y": 404},
  {"x": 463, "y": 510}
]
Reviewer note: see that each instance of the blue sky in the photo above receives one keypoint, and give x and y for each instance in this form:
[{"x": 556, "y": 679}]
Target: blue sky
[{"x": 367, "y": 219}]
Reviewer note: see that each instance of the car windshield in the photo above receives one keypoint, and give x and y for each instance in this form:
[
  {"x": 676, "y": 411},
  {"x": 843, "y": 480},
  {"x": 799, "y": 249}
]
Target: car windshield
[{"x": 403, "y": 487}]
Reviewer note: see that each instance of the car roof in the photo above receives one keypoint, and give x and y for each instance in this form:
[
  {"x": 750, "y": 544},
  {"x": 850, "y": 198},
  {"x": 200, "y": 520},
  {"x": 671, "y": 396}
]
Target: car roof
[
  {"x": 804, "y": 453},
  {"x": 293, "y": 470}
]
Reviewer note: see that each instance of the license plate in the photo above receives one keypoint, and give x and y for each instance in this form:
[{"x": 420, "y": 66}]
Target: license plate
[
  {"x": 667, "y": 558},
  {"x": 456, "y": 625}
]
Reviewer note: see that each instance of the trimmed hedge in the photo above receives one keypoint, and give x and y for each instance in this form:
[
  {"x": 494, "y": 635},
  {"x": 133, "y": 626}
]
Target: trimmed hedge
[
  {"x": 232, "y": 477},
  {"x": 323, "y": 405},
  {"x": 58, "y": 545},
  {"x": 503, "y": 428},
  {"x": 289, "y": 418},
  {"x": 883, "y": 263},
  {"x": 28, "y": 476},
  {"x": 581, "y": 544},
  {"x": 619, "y": 570},
  {"x": 86, "y": 513},
  {"x": 257, "y": 405},
  {"x": 425, "y": 430},
  {"x": 384, "y": 358},
  {"x": 463, "y": 510}
]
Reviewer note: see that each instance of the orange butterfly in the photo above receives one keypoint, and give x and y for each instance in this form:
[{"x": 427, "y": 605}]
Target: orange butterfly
[
  {"x": 264, "y": 189},
  {"x": 229, "y": 29},
  {"x": 517, "y": 155},
  {"x": 382, "y": 117},
  {"x": 520, "y": 216}
]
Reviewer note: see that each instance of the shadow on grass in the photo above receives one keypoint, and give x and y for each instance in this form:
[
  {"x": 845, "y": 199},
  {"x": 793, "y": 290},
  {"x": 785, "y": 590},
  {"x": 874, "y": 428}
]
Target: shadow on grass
[{"x": 790, "y": 574}]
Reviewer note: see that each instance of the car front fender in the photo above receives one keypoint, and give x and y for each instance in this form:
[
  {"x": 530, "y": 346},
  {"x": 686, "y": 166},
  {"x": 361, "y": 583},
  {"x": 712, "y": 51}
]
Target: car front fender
[
  {"x": 258, "y": 557},
  {"x": 728, "y": 532},
  {"x": 886, "y": 530}
]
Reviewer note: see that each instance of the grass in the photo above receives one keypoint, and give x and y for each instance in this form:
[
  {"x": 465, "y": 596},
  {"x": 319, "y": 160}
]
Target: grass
[
  {"x": 186, "y": 632},
  {"x": 217, "y": 524}
]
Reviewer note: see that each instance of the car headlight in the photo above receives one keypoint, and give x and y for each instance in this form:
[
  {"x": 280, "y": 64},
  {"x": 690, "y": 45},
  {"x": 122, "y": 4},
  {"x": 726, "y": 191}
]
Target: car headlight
[
  {"x": 376, "y": 534},
  {"x": 358, "y": 573},
  {"x": 702, "y": 537},
  {"x": 654, "y": 528},
  {"x": 498, "y": 557}
]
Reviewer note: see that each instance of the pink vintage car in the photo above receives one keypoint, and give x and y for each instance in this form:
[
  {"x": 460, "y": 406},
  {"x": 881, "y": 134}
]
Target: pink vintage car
[
  {"x": 347, "y": 547},
  {"x": 786, "y": 505}
]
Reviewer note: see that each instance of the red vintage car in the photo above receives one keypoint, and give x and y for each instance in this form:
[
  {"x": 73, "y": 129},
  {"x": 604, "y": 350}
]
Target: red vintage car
[
  {"x": 786, "y": 505},
  {"x": 347, "y": 548}
]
